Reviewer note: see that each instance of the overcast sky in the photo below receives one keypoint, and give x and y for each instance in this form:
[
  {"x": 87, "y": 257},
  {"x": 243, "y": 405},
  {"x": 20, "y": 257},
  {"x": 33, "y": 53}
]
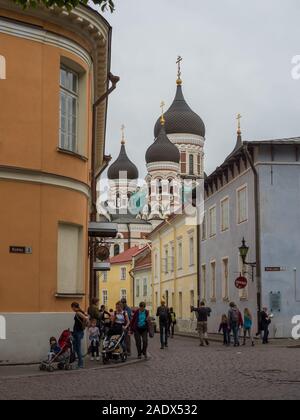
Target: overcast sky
[{"x": 237, "y": 58}]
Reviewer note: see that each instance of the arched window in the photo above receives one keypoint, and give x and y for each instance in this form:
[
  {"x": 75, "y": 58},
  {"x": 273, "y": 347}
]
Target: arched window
[
  {"x": 116, "y": 250},
  {"x": 117, "y": 200},
  {"x": 159, "y": 184},
  {"x": 191, "y": 159},
  {"x": 2, "y": 68},
  {"x": 171, "y": 187}
]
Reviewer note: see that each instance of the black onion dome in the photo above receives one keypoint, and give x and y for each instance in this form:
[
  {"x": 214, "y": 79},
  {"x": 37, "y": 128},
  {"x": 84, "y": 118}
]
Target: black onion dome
[
  {"x": 162, "y": 150},
  {"x": 180, "y": 118},
  {"x": 123, "y": 164}
]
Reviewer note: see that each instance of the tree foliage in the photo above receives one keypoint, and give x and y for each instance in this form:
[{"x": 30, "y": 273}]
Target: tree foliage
[{"x": 69, "y": 4}]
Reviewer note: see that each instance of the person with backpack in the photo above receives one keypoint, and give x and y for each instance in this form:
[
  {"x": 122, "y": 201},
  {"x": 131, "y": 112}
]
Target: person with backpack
[
  {"x": 203, "y": 312},
  {"x": 163, "y": 314},
  {"x": 173, "y": 322},
  {"x": 140, "y": 327},
  {"x": 248, "y": 322},
  {"x": 81, "y": 320},
  {"x": 235, "y": 321}
]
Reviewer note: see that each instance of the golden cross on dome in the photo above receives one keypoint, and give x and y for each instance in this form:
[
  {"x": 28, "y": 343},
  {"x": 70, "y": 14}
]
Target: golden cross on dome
[
  {"x": 178, "y": 62},
  {"x": 162, "y": 120},
  {"x": 239, "y": 117},
  {"x": 123, "y": 133}
]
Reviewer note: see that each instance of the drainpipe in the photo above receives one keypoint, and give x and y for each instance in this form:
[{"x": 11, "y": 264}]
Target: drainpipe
[
  {"x": 94, "y": 176},
  {"x": 198, "y": 264},
  {"x": 257, "y": 230}
]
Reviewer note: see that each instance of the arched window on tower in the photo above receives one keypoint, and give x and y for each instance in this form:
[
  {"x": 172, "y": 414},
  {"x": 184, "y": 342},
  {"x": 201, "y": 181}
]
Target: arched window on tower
[
  {"x": 191, "y": 164},
  {"x": 159, "y": 186},
  {"x": 116, "y": 250},
  {"x": 117, "y": 200},
  {"x": 171, "y": 187}
]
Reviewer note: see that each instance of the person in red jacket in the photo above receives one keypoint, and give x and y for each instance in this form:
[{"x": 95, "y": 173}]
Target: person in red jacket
[{"x": 140, "y": 327}]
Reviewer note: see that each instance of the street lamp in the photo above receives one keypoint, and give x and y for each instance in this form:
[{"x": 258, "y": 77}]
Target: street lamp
[{"x": 244, "y": 249}]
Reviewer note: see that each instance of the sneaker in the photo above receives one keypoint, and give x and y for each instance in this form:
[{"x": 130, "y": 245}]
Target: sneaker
[
  {"x": 162, "y": 348},
  {"x": 201, "y": 345},
  {"x": 207, "y": 342},
  {"x": 139, "y": 356},
  {"x": 98, "y": 359},
  {"x": 92, "y": 359}
]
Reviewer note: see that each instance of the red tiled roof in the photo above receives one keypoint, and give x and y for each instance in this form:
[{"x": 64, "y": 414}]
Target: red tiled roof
[
  {"x": 126, "y": 256},
  {"x": 144, "y": 262}
]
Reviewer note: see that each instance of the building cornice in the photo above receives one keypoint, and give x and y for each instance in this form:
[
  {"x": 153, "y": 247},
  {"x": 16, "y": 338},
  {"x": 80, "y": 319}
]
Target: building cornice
[{"x": 43, "y": 178}]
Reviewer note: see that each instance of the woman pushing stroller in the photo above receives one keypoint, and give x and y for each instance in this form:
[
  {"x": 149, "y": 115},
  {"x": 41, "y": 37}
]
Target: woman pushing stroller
[{"x": 119, "y": 323}]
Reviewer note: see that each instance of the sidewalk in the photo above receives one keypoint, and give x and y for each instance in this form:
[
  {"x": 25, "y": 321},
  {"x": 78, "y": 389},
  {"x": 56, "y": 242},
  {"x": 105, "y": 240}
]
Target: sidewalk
[
  {"x": 29, "y": 371},
  {"x": 218, "y": 338}
]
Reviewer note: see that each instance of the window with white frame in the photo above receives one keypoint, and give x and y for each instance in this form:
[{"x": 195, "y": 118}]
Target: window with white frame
[
  {"x": 69, "y": 98},
  {"x": 104, "y": 297},
  {"x": 180, "y": 256},
  {"x": 191, "y": 165},
  {"x": 137, "y": 288},
  {"x": 166, "y": 261},
  {"x": 123, "y": 273},
  {"x": 242, "y": 204},
  {"x": 123, "y": 294},
  {"x": 104, "y": 276},
  {"x": 225, "y": 214},
  {"x": 213, "y": 284},
  {"x": 203, "y": 283},
  {"x": 213, "y": 221},
  {"x": 204, "y": 228},
  {"x": 225, "y": 280},
  {"x": 145, "y": 287},
  {"x": 70, "y": 264},
  {"x": 172, "y": 257},
  {"x": 192, "y": 251},
  {"x": 2, "y": 68}
]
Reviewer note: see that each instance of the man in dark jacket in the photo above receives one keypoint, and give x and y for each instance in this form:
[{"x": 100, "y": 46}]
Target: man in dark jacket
[
  {"x": 163, "y": 314},
  {"x": 202, "y": 317},
  {"x": 140, "y": 327},
  {"x": 265, "y": 324}
]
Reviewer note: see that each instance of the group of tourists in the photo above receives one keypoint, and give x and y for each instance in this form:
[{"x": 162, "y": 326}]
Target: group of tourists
[
  {"x": 137, "y": 322},
  {"x": 232, "y": 324}
]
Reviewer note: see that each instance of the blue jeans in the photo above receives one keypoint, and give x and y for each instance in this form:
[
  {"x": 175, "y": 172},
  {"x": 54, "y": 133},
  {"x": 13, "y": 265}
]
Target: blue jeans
[
  {"x": 78, "y": 337},
  {"x": 235, "y": 332},
  {"x": 163, "y": 334}
]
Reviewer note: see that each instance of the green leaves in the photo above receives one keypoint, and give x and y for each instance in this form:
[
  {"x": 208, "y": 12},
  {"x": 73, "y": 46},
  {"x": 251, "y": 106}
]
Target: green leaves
[{"x": 69, "y": 4}]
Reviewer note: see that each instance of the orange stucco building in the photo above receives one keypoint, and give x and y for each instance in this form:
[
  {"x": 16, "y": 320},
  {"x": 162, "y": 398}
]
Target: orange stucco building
[{"x": 54, "y": 65}]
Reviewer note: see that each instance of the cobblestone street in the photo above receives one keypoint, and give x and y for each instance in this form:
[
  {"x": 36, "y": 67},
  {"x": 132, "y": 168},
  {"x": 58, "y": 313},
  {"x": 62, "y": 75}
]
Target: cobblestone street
[{"x": 183, "y": 371}]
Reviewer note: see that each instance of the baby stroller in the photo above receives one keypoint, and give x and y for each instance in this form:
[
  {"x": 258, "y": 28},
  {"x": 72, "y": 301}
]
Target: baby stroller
[
  {"x": 65, "y": 358},
  {"x": 113, "y": 349}
]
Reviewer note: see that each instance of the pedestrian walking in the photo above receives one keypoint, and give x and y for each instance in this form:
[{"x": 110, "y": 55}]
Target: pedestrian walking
[
  {"x": 235, "y": 321},
  {"x": 224, "y": 327},
  {"x": 202, "y": 313},
  {"x": 127, "y": 336},
  {"x": 163, "y": 314},
  {"x": 94, "y": 340},
  {"x": 120, "y": 323},
  {"x": 105, "y": 321},
  {"x": 80, "y": 323},
  {"x": 140, "y": 327},
  {"x": 265, "y": 324},
  {"x": 173, "y": 322},
  {"x": 248, "y": 322},
  {"x": 94, "y": 312}
]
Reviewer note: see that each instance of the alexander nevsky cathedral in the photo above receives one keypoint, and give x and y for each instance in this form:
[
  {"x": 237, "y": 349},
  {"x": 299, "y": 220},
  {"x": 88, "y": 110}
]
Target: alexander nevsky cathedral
[{"x": 175, "y": 165}]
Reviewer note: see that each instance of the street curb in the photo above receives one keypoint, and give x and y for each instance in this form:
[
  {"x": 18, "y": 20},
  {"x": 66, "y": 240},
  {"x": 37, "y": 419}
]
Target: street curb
[{"x": 63, "y": 372}]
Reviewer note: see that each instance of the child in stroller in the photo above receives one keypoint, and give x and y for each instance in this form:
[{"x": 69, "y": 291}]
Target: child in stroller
[
  {"x": 61, "y": 355},
  {"x": 113, "y": 348}
]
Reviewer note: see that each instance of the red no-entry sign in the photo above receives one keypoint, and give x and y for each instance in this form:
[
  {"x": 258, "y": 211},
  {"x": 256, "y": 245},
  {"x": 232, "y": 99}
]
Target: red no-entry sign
[{"x": 241, "y": 282}]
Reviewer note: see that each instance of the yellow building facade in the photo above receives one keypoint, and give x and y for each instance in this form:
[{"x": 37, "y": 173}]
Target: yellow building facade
[
  {"x": 174, "y": 268},
  {"x": 118, "y": 283}
]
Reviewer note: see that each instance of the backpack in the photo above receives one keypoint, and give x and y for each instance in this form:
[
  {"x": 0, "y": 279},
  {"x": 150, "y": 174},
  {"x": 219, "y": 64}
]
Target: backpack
[
  {"x": 164, "y": 314},
  {"x": 235, "y": 316}
]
